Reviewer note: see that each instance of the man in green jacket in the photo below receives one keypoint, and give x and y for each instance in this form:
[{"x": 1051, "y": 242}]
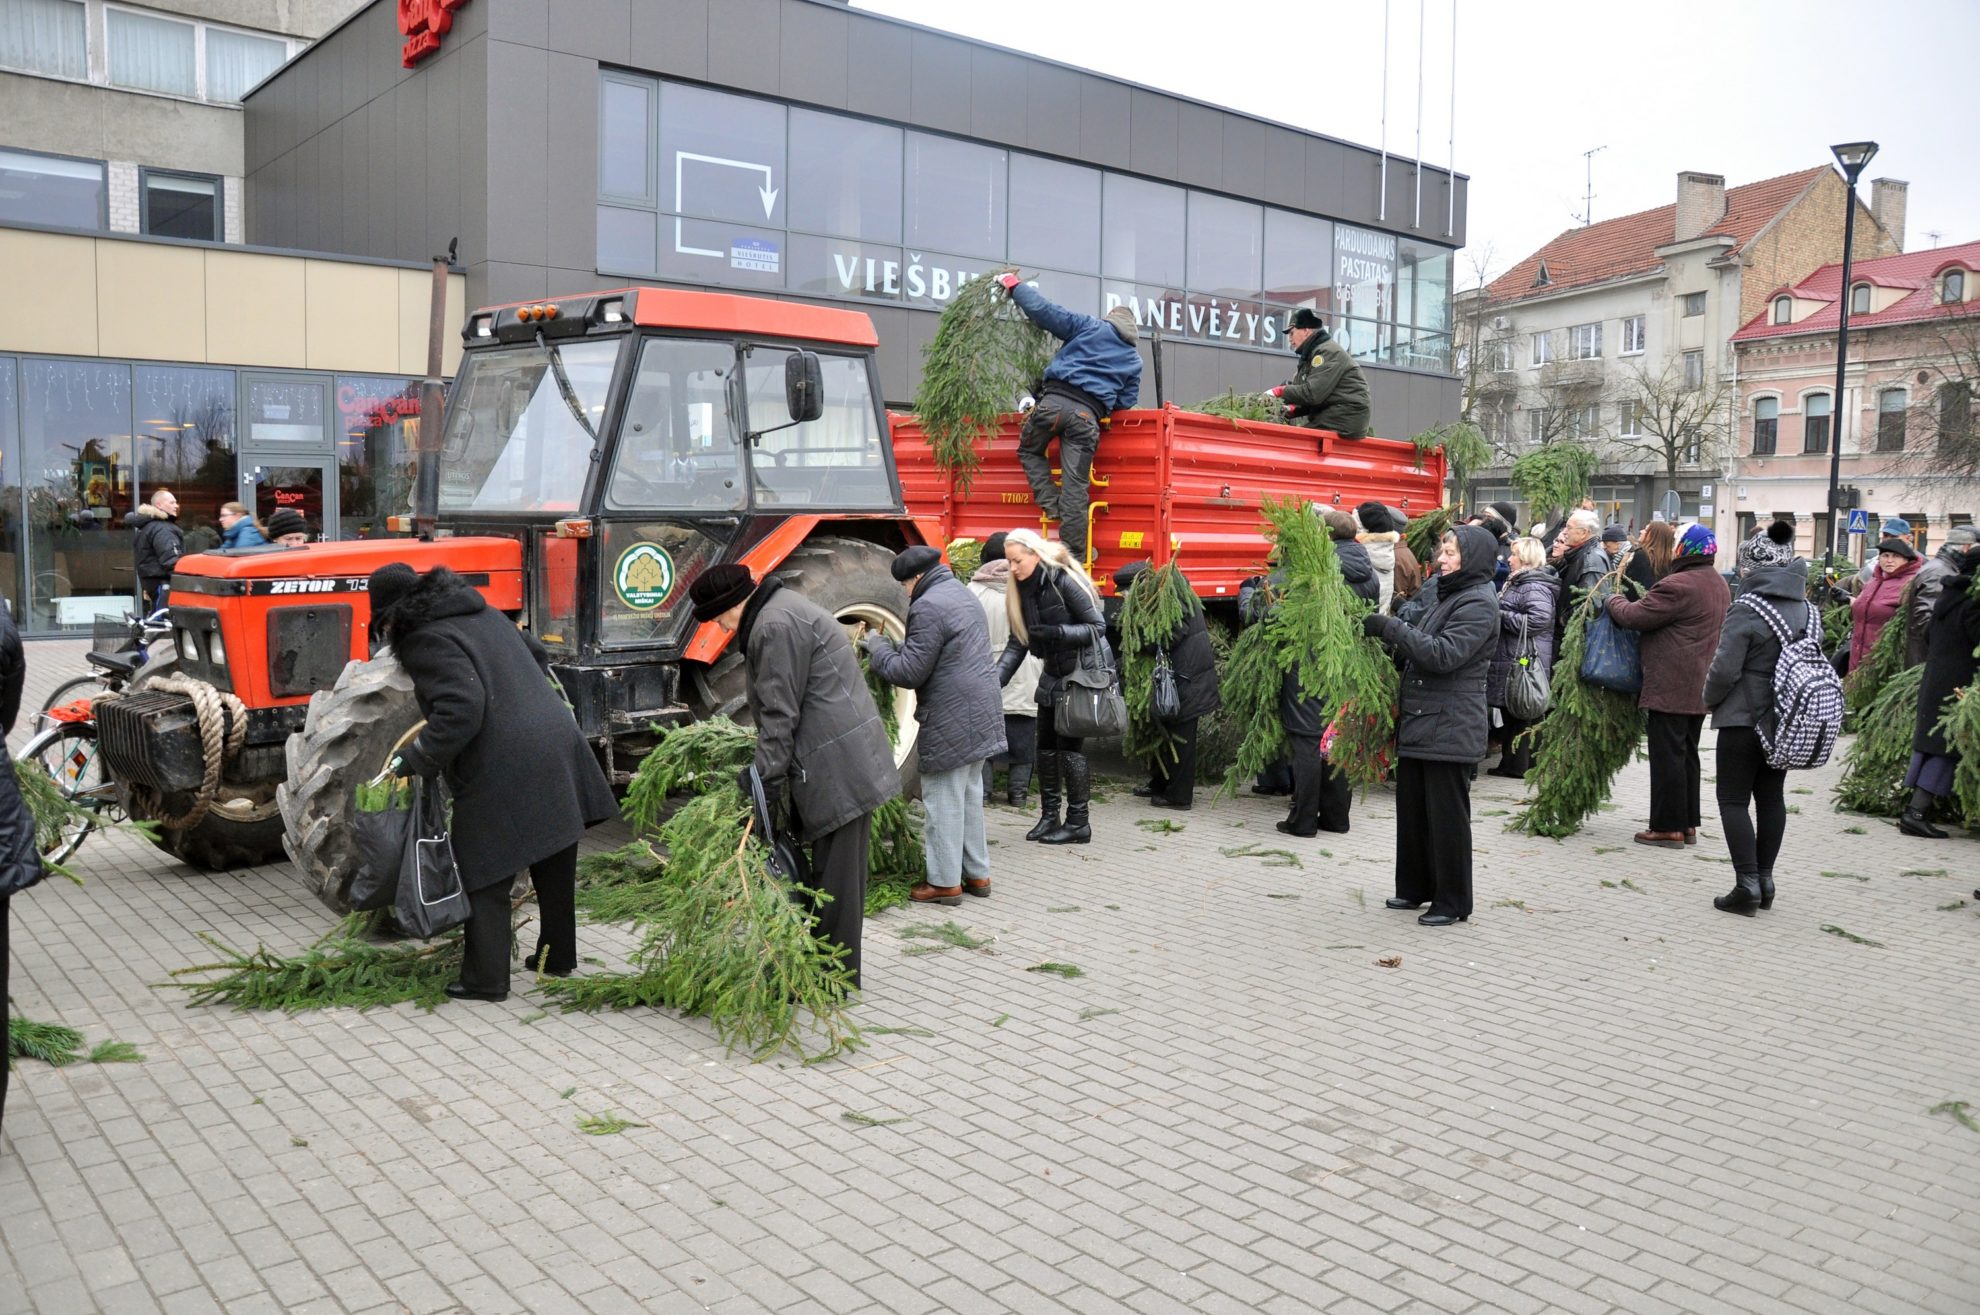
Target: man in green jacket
[{"x": 1327, "y": 390}]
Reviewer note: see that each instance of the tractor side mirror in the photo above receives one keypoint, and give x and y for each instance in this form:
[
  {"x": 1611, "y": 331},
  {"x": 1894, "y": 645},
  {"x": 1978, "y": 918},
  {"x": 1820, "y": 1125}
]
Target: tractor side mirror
[{"x": 804, "y": 387}]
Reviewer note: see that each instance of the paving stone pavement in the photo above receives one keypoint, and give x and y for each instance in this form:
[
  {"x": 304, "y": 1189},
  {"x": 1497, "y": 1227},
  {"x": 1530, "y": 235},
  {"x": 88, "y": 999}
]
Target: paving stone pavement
[{"x": 1600, "y": 1095}]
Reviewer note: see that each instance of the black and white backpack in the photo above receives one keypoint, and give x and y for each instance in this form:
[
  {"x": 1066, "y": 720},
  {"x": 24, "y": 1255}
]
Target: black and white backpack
[{"x": 1808, "y": 695}]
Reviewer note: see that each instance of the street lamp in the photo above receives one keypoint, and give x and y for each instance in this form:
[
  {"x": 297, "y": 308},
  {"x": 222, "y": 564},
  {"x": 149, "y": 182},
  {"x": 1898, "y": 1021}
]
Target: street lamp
[{"x": 1853, "y": 157}]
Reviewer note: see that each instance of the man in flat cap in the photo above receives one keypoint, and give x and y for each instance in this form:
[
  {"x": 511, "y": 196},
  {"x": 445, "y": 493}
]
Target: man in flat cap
[
  {"x": 946, "y": 659},
  {"x": 1327, "y": 389},
  {"x": 817, "y": 732},
  {"x": 1096, "y": 373}
]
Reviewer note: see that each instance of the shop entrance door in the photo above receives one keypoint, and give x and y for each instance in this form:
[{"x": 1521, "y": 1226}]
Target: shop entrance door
[
  {"x": 303, "y": 484},
  {"x": 288, "y": 451}
]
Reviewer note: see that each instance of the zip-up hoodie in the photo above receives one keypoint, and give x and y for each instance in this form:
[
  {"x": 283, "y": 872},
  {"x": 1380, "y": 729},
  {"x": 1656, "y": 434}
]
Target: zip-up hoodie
[{"x": 1739, "y": 688}]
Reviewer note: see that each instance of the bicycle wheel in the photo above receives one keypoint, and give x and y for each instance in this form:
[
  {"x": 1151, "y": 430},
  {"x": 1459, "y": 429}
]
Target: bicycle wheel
[
  {"x": 68, "y": 753},
  {"x": 86, "y": 685}
]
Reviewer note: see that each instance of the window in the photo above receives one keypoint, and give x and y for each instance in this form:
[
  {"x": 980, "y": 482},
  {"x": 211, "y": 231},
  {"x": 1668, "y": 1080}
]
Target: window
[
  {"x": 185, "y": 443},
  {"x": 955, "y": 197},
  {"x": 181, "y": 205},
  {"x": 236, "y": 61},
  {"x": 1543, "y": 348},
  {"x": 374, "y": 458},
  {"x": 1585, "y": 342},
  {"x": 721, "y": 157},
  {"x": 1225, "y": 241},
  {"x": 1859, "y": 299},
  {"x": 50, "y": 190},
  {"x": 837, "y": 460},
  {"x": 1141, "y": 232},
  {"x": 1629, "y": 417},
  {"x": 1890, "y": 420},
  {"x": 1766, "y": 425},
  {"x": 1694, "y": 369},
  {"x": 1299, "y": 259},
  {"x": 1499, "y": 354},
  {"x": 1784, "y": 310},
  {"x": 846, "y": 178},
  {"x": 626, "y": 110},
  {"x": 1694, "y": 447},
  {"x": 1694, "y": 304},
  {"x": 44, "y": 36},
  {"x": 1815, "y": 422},
  {"x": 1055, "y": 215},
  {"x": 152, "y": 54},
  {"x": 1952, "y": 288},
  {"x": 1632, "y": 336},
  {"x": 1538, "y": 422},
  {"x": 76, "y": 461},
  {"x": 1956, "y": 411},
  {"x": 679, "y": 451},
  {"x": 513, "y": 442},
  {"x": 1587, "y": 420}
]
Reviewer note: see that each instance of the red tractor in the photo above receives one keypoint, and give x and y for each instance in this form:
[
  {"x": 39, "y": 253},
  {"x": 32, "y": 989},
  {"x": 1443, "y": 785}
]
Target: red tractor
[{"x": 598, "y": 453}]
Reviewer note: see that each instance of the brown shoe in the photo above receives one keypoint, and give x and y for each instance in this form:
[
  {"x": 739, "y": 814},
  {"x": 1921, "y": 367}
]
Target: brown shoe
[
  {"x": 923, "y": 893},
  {"x": 1666, "y": 839},
  {"x": 1691, "y": 835},
  {"x": 977, "y": 886}
]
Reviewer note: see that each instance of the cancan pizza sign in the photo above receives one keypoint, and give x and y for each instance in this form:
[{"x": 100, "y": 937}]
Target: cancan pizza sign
[
  {"x": 423, "y": 23},
  {"x": 644, "y": 577}
]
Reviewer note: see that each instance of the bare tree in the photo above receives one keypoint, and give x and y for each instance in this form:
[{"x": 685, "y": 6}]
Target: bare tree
[
  {"x": 1677, "y": 423},
  {"x": 1942, "y": 434}
]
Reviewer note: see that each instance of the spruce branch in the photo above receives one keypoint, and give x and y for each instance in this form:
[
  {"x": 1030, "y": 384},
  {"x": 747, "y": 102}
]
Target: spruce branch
[
  {"x": 1588, "y": 735},
  {"x": 984, "y": 356},
  {"x": 1878, "y": 758}
]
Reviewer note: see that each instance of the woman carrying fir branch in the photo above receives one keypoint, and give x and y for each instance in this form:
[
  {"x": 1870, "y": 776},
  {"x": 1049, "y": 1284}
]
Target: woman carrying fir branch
[
  {"x": 1950, "y": 644},
  {"x": 1321, "y": 795},
  {"x": 20, "y": 856},
  {"x": 1441, "y": 733},
  {"x": 1055, "y": 615},
  {"x": 1172, "y": 768}
]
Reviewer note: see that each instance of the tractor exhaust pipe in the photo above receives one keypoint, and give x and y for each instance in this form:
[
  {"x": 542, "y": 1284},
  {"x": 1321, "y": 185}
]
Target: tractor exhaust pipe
[{"x": 432, "y": 403}]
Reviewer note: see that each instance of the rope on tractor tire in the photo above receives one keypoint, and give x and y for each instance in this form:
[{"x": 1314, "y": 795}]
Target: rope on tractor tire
[{"x": 222, "y": 732}]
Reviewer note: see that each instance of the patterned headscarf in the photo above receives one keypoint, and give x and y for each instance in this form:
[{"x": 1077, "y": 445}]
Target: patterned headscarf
[{"x": 1697, "y": 541}]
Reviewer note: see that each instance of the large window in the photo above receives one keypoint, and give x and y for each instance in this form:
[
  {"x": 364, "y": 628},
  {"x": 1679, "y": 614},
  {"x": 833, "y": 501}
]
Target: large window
[
  {"x": 76, "y": 461},
  {"x": 679, "y": 449},
  {"x": 236, "y": 61},
  {"x": 10, "y": 487},
  {"x": 955, "y": 197},
  {"x": 1891, "y": 403},
  {"x": 1815, "y": 422},
  {"x": 1055, "y": 215},
  {"x": 44, "y": 36},
  {"x": 51, "y": 190},
  {"x": 1766, "y": 424},
  {"x": 1142, "y": 232},
  {"x": 1629, "y": 417},
  {"x": 181, "y": 205},
  {"x": 1694, "y": 369},
  {"x": 1543, "y": 347},
  {"x": 374, "y": 455},
  {"x": 837, "y": 460},
  {"x": 149, "y": 53},
  {"x": 845, "y": 177},
  {"x": 516, "y": 439},
  {"x": 1632, "y": 335},
  {"x": 1226, "y": 241},
  {"x": 1585, "y": 342},
  {"x": 1299, "y": 260},
  {"x": 185, "y": 443}
]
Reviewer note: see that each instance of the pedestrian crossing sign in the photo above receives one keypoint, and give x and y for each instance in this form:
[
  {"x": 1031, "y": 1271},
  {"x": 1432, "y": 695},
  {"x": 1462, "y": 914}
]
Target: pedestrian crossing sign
[{"x": 1859, "y": 521}]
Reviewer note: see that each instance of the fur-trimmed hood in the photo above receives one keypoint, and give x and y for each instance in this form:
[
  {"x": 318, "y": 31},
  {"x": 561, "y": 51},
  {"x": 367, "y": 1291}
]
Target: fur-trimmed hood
[{"x": 440, "y": 593}]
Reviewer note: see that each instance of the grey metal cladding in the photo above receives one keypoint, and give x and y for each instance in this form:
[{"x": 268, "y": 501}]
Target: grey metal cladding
[
  {"x": 527, "y": 22},
  {"x": 381, "y": 223},
  {"x": 1154, "y": 148},
  {"x": 443, "y": 158},
  {"x": 996, "y": 110},
  {"x": 882, "y": 71},
  {"x": 1327, "y": 189},
  {"x": 1285, "y": 168},
  {"x": 518, "y": 112},
  {"x": 409, "y": 210},
  {"x": 1200, "y": 141},
  {"x": 597, "y": 29},
  {"x": 1105, "y": 122},
  {"x": 941, "y": 83},
  {"x": 571, "y": 185},
  {"x": 743, "y": 45},
  {"x": 1243, "y": 156},
  {"x": 815, "y": 62},
  {"x": 358, "y": 183},
  {"x": 670, "y": 36}
]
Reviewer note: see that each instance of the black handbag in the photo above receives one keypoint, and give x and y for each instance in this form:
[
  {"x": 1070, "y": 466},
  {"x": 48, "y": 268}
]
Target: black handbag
[
  {"x": 1164, "y": 699},
  {"x": 431, "y": 898},
  {"x": 1089, "y": 701},
  {"x": 787, "y": 858},
  {"x": 1527, "y": 683}
]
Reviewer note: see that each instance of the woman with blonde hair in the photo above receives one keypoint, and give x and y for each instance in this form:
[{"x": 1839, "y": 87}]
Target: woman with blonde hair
[
  {"x": 1526, "y": 610},
  {"x": 1054, "y": 613}
]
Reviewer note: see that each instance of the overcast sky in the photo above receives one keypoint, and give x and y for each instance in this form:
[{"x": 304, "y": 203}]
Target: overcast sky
[{"x": 1743, "y": 88}]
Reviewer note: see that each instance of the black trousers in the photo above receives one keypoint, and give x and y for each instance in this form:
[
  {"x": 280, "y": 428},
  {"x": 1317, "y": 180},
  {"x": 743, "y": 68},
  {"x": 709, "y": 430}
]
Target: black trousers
[
  {"x": 1078, "y": 431},
  {"x": 1321, "y": 796},
  {"x": 1744, "y": 777},
  {"x": 838, "y": 869},
  {"x": 1516, "y": 754},
  {"x": 485, "y": 966},
  {"x": 1674, "y": 770},
  {"x": 1049, "y": 739},
  {"x": 5, "y": 1062},
  {"x": 1433, "y": 835},
  {"x": 1175, "y": 780}
]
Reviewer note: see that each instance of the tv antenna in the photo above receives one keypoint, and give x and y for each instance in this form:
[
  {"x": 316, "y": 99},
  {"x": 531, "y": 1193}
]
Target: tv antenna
[
  {"x": 1935, "y": 234},
  {"x": 1588, "y": 178}
]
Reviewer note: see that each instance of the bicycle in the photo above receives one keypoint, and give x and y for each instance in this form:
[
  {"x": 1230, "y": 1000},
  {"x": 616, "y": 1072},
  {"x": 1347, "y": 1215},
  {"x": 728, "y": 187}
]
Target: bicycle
[{"x": 117, "y": 649}]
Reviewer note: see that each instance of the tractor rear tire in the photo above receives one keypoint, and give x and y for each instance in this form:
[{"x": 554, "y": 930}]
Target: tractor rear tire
[
  {"x": 346, "y": 740},
  {"x": 853, "y": 580}
]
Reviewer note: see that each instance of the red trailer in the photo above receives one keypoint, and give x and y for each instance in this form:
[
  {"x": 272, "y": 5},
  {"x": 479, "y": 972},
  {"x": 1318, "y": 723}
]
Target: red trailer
[{"x": 1174, "y": 482}]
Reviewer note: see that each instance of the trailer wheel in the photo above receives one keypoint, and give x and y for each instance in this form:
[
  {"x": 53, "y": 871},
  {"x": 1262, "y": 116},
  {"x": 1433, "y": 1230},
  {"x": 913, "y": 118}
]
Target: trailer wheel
[
  {"x": 853, "y": 580},
  {"x": 346, "y": 739}
]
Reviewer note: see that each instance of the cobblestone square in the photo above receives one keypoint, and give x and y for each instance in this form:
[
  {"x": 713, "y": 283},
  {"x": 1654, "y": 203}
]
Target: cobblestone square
[{"x": 1600, "y": 1095}]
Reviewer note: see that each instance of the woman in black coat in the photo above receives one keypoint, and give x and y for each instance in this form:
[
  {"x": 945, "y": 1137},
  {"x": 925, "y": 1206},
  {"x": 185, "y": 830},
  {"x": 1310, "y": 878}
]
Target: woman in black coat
[
  {"x": 1172, "y": 783},
  {"x": 1950, "y": 642},
  {"x": 1444, "y": 723},
  {"x": 525, "y": 784},
  {"x": 1055, "y": 616},
  {"x": 20, "y": 856}
]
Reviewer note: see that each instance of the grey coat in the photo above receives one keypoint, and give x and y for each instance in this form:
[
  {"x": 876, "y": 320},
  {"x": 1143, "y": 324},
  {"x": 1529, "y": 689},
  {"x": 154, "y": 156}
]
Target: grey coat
[
  {"x": 1529, "y": 597},
  {"x": 946, "y": 657},
  {"x": 1447, "y": 655},
  {"x": 1739, "y": 687},
  {"x": 816, "y": 725}
]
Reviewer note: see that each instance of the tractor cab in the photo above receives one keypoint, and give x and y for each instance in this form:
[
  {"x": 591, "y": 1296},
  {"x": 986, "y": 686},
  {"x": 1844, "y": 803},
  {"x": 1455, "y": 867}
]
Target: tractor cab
[{"x": 627, "y": 440}]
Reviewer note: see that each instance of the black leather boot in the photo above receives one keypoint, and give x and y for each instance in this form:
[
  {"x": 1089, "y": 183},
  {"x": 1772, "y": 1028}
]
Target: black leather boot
[
  {"x": 1079, "y": 790},
  {"x": 1020, "y": 790},
  {"x": 1048, "y": 795},
  {"x": 1743, "y": 898},
  {"x": 1913, "y": 822},
  {"x": 1767, "y": 889}
]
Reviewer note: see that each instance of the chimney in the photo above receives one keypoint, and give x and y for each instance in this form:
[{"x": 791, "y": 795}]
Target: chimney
[
  {"x": 1887, "y": 197},
  {"x": 1701, "y": 204}
]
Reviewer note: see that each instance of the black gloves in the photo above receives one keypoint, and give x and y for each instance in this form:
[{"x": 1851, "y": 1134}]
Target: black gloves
[
  {"x": 1374, "y": 625},
  {"x": 1048, "y": 633}
]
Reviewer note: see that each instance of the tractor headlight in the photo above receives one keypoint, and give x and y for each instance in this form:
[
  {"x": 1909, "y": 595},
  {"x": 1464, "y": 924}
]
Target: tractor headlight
[
  {"x": 188, "y": 646},
  {"x": 219, "y": 654}
]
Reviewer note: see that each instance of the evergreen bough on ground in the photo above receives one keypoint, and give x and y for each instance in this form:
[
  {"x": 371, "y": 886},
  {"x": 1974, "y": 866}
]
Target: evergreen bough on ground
[
  {"x": 1554, "y": 476},
  {"x": 1588, "y": 735},
  {"x": 1156, "y": 605},
  {"x": 984, "y": 356},
  {"x": 343, "y": 967},
  {"x": 1874, "y": 768},
  {"x": 55, "y": 815}
]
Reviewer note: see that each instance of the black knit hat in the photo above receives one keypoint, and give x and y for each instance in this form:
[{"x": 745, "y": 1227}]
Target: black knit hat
[
  {"x": 286, "y": 520},
  {"x": 993, "y": 549},
  {"x": 1506, "y": 512},
  {"x": 1614, "y": 534},
  {"x": 388, "y": 584},
  {"x": 1374, "y": 518},
  {"x": 720, "y": 588},
  {"x": 918, "y": 560}
]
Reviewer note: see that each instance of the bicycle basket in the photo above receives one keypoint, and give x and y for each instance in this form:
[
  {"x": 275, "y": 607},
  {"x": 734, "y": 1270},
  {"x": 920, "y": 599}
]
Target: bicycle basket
[{"x": 110, "y": 635}]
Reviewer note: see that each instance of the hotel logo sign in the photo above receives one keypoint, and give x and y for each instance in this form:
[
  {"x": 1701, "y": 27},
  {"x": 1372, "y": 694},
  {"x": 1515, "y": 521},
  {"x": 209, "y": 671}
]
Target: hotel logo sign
[{"x": 423, "y": 23}]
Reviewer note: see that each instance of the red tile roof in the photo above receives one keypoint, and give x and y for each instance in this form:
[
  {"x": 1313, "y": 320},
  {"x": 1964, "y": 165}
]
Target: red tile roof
[
  {"x": 1617, "y": 248},
  {"x": 1917, "y": 271}
]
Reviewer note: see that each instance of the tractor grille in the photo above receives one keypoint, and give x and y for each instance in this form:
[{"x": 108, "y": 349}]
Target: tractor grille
[{"x": 151, "y": 738}]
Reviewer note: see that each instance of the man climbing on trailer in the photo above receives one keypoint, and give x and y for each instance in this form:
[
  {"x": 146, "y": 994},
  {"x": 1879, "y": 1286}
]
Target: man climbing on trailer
[
  {"x": 1096, "y": 373},
  {"x": 1327, "y": 390}
]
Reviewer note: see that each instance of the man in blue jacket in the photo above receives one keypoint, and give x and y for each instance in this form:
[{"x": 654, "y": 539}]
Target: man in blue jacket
[{"x": 1096, "y": 373}]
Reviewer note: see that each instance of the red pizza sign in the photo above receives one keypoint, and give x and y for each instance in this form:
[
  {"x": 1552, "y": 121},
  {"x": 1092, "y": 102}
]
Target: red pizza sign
[{"x": 423, "y": 23}]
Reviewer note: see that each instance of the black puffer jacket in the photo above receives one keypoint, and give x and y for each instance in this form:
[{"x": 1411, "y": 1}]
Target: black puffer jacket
[
  {"x": 525, "y": 783},
  {"x": 20, "y": 857},
  {"x": 816, "y": 725},
  {"x": 1949, "y": 647},
  {"x": 946, "y": 657},
  {"x": 1060, "y": 621},
  {"x": 1739, "y": 687},
  {"x": 1446, "y": 658},
  {"x": 157, "y": 542}
]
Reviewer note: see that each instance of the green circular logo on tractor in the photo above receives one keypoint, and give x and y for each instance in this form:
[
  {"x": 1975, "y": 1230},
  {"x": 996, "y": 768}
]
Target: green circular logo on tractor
[{"x": 644, "y": 576}]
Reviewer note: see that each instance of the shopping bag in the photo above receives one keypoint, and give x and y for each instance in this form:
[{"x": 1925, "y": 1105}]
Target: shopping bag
[
  {"x": 1612, "y": 658},
  {"x": 384, "y": 817},
  {"x": 1164, "y": 699},
  {"x": 431, "y": 898}
]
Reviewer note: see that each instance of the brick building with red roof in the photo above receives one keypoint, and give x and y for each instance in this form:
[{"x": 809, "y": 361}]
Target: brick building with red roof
[
  {"x": 1618, "y": 334},
  {"x": 1907, "y": 419}
]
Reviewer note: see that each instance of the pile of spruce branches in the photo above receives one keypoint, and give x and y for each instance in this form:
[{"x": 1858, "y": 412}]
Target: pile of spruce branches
[
  {"x": 1556, "y": 475},
  {"x": 985, "y": 355},
  {"x": 1880, "y": 755},
  {"x": 1233, "y": 405},
  {"x": 347, "y": 965}
]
